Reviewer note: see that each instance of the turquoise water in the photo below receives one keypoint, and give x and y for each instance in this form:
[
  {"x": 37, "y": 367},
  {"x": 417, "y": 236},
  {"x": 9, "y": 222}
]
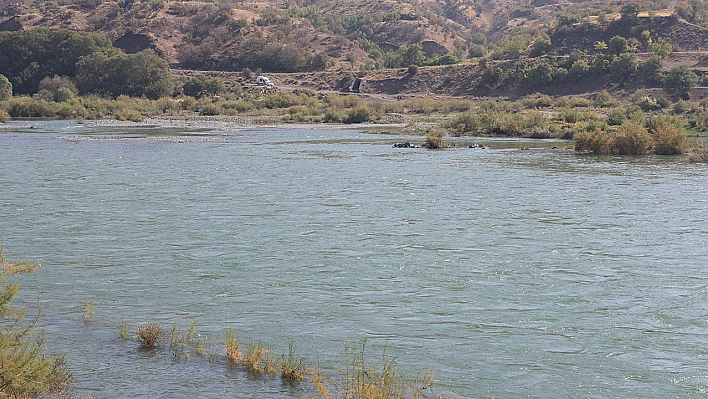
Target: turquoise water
[{"x": 507, "y": 273}]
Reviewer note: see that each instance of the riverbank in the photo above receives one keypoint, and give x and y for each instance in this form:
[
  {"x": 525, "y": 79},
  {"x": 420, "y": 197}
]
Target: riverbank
[{"x": 198, "y": 122}]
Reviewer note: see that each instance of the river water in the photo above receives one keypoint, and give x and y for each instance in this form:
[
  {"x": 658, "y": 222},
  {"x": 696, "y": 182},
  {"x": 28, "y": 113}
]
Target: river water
[{"x": 507, "y": 273}]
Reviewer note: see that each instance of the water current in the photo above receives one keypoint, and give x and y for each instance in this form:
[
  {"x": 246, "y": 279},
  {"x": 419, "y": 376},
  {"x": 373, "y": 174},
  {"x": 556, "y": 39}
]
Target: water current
[{"x": 506, "y": 272}]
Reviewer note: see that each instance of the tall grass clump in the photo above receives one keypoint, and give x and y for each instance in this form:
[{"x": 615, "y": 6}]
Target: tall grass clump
[
  {"x": 233, "y": 345},
  {"x": 291, "y": 365},
  {"x": 258, "y": 358},
  {"x": 369, "y": 380}
]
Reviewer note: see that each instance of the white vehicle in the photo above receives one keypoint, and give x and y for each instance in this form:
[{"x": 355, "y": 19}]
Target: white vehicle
[{"x": 263, "y": 81}]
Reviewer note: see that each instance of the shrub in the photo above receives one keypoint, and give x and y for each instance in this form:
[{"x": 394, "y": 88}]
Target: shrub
[
  {"x": 669, "y": 140},
  {"x": 541, "y": 74},
  {"x": 616, "y": 117},
  {"x": 58, "y": 88},
  {"x": 568, "y": 115},
  {"x": 597, "y": 141},
  {"x": 256, "y": 356},
  {"x": 149, "y": 335},
  {"x": 359, "y": 114},
  {"x": 4, "y": 116},
  {"x": 127, "y": 114},
  {"x": 492, "y": 77},
  {"x": 434, "y": 140},
  {"x": 331, "y": 116},
  {"x": 604, "y": 99},
  {"x": 631, "y": 139},
  {"x": 618, "y": 45},
  {"x": 476, "y": 51},
  {"x": 463, "y": 123},
  {"x": 232, "y": 347},
  {"x": 681, "y": 106},
  {"x": 210, "y": 110},
  {"x": 23, "y": 106},
  {"x": 413, "y": 70}
]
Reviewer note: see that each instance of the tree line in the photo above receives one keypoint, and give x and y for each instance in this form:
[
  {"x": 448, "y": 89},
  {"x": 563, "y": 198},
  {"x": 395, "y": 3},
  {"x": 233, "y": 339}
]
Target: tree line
[{"x": 88, "y": 60}]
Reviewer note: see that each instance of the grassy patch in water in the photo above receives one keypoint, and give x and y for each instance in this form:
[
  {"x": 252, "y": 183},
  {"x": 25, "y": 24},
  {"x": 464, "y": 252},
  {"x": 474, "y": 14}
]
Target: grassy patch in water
[{"x": 360, "y": 377}]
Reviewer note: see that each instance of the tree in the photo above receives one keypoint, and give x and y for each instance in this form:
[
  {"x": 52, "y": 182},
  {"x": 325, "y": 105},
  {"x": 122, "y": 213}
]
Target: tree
[
  {"x": 652, "y": 64},
  {"x": 413, "y": 55},
  {"x": 662, "y": 47},
  {"x": 629, "y": 13},
  {"x": 492, "y": 76},
  {"x": 541, "y": 45},
  {"x": 28, "y": 56},
  {"x": 624, "y": 66},
  {"x": 201, "y": 85},
  {"x": 680, "y": 80},
  {"x": 541, "y": 74},
  {"x": 579, "y": 69},
  {"x": 113, "y": 73},
  {"x": 26, "y": 372},
  {"x": 5, "y": 88},
  {"x": 618, "y": 45}
]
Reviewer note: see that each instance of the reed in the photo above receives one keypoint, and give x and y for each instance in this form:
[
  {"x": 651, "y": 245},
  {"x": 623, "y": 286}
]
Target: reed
[
  {"x": 256, "y": 359},
  {"x": 89, "y": 314},
  {"x": 291, "y": 365},
  {"x": 366, "y": 380},
  {"x": 123, "y": 334},
  {"x": 232, "y": 347}
]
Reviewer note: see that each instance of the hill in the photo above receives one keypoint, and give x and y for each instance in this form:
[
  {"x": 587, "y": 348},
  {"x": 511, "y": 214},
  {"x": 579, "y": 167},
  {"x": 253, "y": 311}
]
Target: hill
[{"x": 462, "y": 48}]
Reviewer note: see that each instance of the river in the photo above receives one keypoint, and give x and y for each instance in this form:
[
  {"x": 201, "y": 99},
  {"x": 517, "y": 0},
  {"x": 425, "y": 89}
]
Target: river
[{"x": 506, "y": 272}]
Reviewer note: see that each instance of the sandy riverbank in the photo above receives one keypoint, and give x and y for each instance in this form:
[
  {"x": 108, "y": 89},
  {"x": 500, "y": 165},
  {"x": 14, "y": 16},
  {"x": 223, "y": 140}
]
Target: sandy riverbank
[{"x": 217, "y": 123}]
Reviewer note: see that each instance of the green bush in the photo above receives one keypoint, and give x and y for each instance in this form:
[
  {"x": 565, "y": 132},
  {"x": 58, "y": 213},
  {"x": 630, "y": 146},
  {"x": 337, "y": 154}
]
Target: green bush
[
  {"x": 463, "y": 123},
  {"x": 492, "y": 77},
  {"x": 616, "y": 117},
  {"x": 331, "y": 116},
  {"x": 359, "y": 114},
  {"x": 605, "y": 100}
]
